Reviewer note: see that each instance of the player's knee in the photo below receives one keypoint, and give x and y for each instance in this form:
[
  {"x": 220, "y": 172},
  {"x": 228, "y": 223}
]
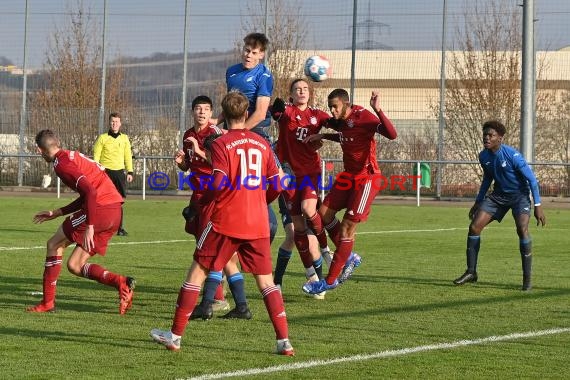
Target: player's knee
[
  {"x": 309, "y": 208},
  {"x": 73, "y": 267},
  {"x": 347, "y": 228},
  {"x": 522, "y": 232},
  {"x": 475, "y": 229}
]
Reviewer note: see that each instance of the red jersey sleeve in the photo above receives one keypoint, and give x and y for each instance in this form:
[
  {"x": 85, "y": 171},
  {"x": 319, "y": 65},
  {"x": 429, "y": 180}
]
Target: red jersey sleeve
[
  {"x": 386, "y": 128},
  {"x": 322, "y": 118},
  {"x": 220, "y": 158},
  {"x": 73, "y": 178}
]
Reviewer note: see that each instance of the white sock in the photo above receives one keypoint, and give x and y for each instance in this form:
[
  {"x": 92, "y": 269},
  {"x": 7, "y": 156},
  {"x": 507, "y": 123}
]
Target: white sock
[
  {"x": 309, "y": 272},
  {"x": 174, "y": 336}
]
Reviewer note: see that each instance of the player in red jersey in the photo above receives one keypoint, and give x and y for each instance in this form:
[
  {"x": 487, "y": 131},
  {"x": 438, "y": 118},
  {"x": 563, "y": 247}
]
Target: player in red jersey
[
  {"x": 193, "y": 157},
  {"x": 96, "y": 216},
  {"x": 244, "y": 167},
  {"x": 353, "y": 189},
  {"x": 296, "y": 121}
]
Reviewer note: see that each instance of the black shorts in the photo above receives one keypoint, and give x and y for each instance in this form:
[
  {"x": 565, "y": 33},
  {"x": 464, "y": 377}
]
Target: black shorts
[
  {"x": 119, "y": 180},
  {"x": 497, "y": 204},
  {"x": 285, "y": 215}
]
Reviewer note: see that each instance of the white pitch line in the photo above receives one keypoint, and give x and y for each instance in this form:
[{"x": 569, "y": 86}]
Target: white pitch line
[
  {"x": 278, "y": 236},
  {"x": 383, "y": 354},
  {"x": 117, "y": 243}
]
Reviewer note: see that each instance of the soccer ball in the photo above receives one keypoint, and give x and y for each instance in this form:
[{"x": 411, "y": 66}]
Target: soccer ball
[{"x": 317, "y": 68}]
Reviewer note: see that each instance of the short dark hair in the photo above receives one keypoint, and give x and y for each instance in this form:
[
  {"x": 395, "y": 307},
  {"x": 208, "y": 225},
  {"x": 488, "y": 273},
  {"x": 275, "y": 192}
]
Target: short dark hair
[
  {"x": 496, "y": 125},
  {"x": 201, "y": 99},
  {"x": 340, "y": 93},
  {"x": 257, "y": 40},
  {"x": 209, "y": 140},
  {"x": 114, "y": 114},
  {"x": 46, "y": 138},
  {"x": 234, "y": 105}
]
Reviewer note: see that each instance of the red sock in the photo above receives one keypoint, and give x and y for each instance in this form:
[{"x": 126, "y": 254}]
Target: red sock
[
  {"x": 302, "y": 243},
  {"x": 52, "y": 268},
  {"x": 276, "y": 309},
  {"x": 340, "y": 256},
  {"x": 333, "y": 228},
  {"x": 185, "y": 304},
  {"x": 101, "y": 275},
  {"x": 315, "y": 223},
  {"x": 219, "y": 296}
]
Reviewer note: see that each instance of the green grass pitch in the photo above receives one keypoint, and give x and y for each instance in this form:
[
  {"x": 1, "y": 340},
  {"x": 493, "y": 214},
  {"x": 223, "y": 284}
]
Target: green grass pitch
[{"x": 401, "y": 297}]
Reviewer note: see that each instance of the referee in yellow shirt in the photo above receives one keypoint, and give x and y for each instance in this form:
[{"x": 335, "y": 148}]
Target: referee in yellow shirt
[{"x": 113, "y": 151}]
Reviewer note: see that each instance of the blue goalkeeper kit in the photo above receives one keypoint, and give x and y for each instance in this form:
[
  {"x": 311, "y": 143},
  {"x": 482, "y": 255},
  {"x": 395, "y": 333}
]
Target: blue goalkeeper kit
[{"x": 510, "y": 173}]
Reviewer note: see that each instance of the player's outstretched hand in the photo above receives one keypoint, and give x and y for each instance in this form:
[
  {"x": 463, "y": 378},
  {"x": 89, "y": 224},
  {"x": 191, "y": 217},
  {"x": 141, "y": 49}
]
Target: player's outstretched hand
[
  {"x": 313, "y": 138},
  {"x": 44, "y": 216},
  {"x": 179, "y": 156},
  {"x": 375, "y": 101},
  {"x": 277, "y": 108},
  {"x": 539, "y": 215}
]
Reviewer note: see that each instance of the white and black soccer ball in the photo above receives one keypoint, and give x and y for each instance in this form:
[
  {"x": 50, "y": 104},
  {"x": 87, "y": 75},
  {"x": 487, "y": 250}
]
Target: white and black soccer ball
[{"x": 318, "y": 68}]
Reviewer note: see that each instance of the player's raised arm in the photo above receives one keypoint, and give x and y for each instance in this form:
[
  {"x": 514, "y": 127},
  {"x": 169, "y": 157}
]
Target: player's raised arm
[
  {"x": 385, "y": 128},
  {"x": 277, "y": 108},
  {"x": 260, "y": 113}
]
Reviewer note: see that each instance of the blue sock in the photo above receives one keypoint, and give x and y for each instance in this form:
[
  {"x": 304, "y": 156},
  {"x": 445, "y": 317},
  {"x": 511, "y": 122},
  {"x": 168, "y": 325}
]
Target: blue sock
[
  {"x": 525, "y": 247},
  {"x": 272, "y": 223},
  {"x": 237, "y": 287},
  {"x": 210, "y": 286},
  {"x": 473, "y": 244},
  {"x": 283, "y": 258},
  {"x": 318, "y": 265}
]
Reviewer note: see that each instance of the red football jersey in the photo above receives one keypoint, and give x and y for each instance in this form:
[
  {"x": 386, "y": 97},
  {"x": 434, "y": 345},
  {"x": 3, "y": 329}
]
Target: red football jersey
[
  {"x": 196, "y": 163},
  {"x": 357, "y": 140},
  {"x": 294, "y": 126},
  {"x": 71, "y": 166},
  {"x": 247, "y": 163}
]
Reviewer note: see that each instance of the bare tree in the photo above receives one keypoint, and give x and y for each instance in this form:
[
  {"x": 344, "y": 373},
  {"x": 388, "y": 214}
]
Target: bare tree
[
  {"x": 485, "y": 71},
  {"x": 552, "y": 141},
  {"x": 286, "y": 28},
  {"x": 69, "y": 103}
]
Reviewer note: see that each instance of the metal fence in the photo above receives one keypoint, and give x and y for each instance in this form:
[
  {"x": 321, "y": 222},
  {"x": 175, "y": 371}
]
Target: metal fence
[
  {"x": 399, "y": 47},
  {"x": 158, "y": 175}
]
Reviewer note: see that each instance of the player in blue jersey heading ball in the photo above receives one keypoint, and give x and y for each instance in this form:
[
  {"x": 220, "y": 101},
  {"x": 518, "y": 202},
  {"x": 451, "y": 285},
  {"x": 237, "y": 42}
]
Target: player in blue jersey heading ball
[{"x": 514, "y": 181}]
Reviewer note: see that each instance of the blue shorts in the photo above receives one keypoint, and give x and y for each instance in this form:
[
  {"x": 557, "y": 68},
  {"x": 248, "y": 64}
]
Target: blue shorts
[
  {"x": 497, "y": 204},
  {"x": 283, "y": 210}
]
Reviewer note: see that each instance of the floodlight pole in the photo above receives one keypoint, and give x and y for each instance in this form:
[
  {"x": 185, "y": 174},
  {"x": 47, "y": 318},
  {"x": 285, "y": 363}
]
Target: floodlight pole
[
  {"x": 353, "y": 50},
  {"x": 23, "y": 110},
  {"x": 528, "y": 84},
  {"x": 442, "y": 87},
  {"x": 101, "y": 125},
  {"x": 182, "y": 125}
]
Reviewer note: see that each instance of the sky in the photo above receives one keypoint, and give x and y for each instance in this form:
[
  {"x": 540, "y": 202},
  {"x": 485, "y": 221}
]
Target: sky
[{"x": 142, "y": 27}]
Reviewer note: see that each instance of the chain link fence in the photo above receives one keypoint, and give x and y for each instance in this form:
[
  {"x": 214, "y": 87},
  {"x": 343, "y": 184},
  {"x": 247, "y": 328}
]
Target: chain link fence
[
  {"x": 54, "y": 53},
  {"x": 158, "y": 175}
]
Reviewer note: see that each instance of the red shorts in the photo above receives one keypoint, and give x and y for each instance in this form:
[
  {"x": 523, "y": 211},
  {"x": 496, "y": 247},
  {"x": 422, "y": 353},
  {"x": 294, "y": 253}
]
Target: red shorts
[
  {"x": 197, "y": 225},
  {"x": 106, "y": 222},
  {"x": 306, "y": 187},
  {"x": 214, "y": 250},
  {"x": 355, "y": 193}
]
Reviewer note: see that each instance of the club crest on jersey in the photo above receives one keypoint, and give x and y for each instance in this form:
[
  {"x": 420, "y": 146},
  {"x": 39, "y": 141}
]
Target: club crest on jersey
[
  {"x": 313, "y": 120},
  {"x": 350, "y": 123}
]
